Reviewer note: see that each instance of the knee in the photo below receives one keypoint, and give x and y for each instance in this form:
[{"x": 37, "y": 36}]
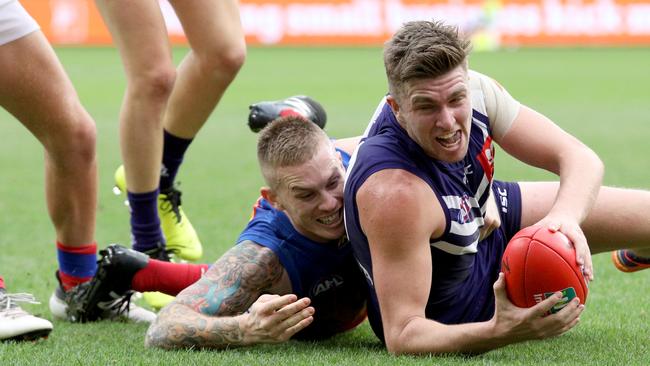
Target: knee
[
  {"x": 155, "y": 83},
  {"x": 74, "y": 139},
  {"x": 85, "y": 135},
  {"x": 223, "y": 63}
]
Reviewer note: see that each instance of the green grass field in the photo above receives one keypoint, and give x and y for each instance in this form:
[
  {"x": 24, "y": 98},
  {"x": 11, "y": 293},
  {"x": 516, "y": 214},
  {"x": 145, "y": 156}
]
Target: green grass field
[{"x": 600, "y": 95}]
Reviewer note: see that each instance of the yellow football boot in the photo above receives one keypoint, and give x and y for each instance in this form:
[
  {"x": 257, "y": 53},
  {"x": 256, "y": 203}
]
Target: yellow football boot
[{"x": 157, "y": 300}]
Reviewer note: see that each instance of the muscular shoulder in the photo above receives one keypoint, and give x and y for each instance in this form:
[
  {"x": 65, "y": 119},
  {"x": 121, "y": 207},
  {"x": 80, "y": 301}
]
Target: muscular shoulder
[
  {"x": 394, "y": 200},
  {"x": 500, "y": 107}
]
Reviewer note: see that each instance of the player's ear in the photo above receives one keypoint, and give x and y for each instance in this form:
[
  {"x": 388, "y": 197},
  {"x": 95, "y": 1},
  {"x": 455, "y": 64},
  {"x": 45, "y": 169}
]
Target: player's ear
[
  {"x": 269, "y": 195},
  {"x": 392, "y": 102}
]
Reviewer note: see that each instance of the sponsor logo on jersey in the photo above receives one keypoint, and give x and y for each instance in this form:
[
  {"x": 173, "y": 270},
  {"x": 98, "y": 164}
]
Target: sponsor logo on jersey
[
  {"x": 326, "y": 284},
  {"x": 503, "y": 199},
  {"x": 464, "y": 210},
  {"x": 486, "y": 158}
]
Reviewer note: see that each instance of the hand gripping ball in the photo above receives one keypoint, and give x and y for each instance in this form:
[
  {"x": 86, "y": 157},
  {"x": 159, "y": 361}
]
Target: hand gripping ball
[{"x": 537, "y": 263}]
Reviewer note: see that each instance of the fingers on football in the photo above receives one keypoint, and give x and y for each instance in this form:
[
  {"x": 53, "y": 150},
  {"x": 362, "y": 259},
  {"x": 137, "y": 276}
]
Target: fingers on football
[
  {"x": 560, "y": 322},
  {"x": 544, "y": 307},
  {"x": 583, "y": 254},
  {"x": 569, "y": 316}
]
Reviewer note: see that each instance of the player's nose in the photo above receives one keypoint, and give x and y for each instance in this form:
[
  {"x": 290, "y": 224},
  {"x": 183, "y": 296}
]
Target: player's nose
[
  {"x": 330, "y": 202},
  {"x": 446, "y": 118}
]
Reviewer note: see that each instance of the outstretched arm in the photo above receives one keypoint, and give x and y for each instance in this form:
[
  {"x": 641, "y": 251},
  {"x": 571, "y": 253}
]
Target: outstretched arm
[
  {"x": 226, "y": 306},
  {"x": 536, "y": 140}
]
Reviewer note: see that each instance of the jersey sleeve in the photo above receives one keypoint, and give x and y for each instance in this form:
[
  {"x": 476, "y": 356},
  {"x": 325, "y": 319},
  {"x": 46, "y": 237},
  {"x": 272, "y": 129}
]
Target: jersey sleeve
[
  {"x": 501, "y": 107},
  {"x": 262, "y": 227}
]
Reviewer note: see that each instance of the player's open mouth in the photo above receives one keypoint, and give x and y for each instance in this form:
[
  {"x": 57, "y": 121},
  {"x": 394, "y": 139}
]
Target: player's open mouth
[
  {"x": 331, "y": 219},
  {"x": 449, "y": 140}
]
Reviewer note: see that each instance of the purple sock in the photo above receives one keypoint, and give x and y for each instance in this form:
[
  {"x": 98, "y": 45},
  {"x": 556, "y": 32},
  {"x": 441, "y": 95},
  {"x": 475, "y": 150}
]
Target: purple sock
[
  {"x": 145, "y": 223},
  {"x": 173, "y": 151}
]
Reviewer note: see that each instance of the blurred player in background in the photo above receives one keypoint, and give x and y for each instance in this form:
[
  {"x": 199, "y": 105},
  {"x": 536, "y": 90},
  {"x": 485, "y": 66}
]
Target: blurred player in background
[
  {"x": 164, "y": 108},
  {"x": 435, "y": 286},
  {"x": 35, "y": 89}
]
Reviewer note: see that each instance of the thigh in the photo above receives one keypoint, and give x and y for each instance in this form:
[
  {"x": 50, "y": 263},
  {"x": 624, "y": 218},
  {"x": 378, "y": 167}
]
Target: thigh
[
  {"x": 620, "y": 217},
  {"x": 33, "y": 85},
  {"x": 210, "y": 25},
  {"x": 138, "y": 29}
]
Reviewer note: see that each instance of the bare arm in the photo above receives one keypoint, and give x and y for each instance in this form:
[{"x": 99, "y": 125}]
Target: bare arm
[
  {"x": 399, "y": 228},
  {"x": 536, "y": 140},
  {"x": 212, "y": 313}
]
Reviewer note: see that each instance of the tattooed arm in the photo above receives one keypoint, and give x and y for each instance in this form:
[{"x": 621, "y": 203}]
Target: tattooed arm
[{"x": 226, "y": 307}]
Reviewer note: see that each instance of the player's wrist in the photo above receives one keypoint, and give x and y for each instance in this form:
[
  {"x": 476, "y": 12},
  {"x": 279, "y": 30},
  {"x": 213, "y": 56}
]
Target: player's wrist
[{"x": 245, "y": 328}]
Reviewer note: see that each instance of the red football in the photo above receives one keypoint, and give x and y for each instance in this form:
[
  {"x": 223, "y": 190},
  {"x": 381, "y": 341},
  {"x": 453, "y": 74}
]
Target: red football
[{"x": 538, "y": 263}]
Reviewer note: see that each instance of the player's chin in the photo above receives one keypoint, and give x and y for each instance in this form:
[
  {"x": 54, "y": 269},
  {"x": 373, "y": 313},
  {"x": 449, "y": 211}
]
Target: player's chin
[
  {"x": 451, "y": 154},
  {"x": 332, "y": 232}
]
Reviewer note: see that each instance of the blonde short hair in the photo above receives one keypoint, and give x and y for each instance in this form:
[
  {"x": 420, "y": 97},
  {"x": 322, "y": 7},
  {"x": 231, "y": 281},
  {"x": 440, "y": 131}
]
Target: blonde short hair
[{"x": 287, "y": 141}]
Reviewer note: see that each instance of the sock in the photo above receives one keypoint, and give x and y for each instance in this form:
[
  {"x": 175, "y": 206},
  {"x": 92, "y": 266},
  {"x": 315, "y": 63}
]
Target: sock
[
  {"x": 167, "y": 277},
  {"x": 2, "y": 284},
  {"x": 76, "y": 264},
  {"x": 145, "y": 223},
  {"x": 173, "y": 151}
]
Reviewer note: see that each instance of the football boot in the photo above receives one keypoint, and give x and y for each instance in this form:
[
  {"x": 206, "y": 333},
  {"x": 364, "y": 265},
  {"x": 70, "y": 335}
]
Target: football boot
[
  {"x": 262, "y": 113},
  {"x": 108, "y": 294},
  {"x": 18, "y": 325},
  {"x": 626, "y": 261}
]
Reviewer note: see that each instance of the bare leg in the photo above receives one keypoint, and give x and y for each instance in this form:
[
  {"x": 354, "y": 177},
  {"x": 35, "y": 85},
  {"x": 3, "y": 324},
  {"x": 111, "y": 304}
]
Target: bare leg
[
  {"x": 40, "y": 95},
  {"x": 218, "y": 50},
  {"x": 620, "y": 218},
  {"x": 139, "y": 31}
]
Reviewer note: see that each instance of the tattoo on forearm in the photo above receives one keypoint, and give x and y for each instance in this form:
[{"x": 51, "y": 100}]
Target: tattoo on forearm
[
  {"x": 178, "y": 326},
  {"x": 202, "y": 314}
]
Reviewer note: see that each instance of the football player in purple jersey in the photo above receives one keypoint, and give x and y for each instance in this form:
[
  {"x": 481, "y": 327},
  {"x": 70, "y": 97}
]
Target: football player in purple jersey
[{"x": 419, "y": 185}]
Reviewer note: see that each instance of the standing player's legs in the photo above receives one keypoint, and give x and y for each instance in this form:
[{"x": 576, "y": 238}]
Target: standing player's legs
[
  {"x": 139, "y": 32},
  {"x": 35, "y": 89},
  {"x": 218, "y": 49},
  {"x": 619, "y": 219}
]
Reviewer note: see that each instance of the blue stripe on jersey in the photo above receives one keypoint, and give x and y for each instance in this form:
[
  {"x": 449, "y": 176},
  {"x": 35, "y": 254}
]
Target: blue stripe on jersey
[{"x": 480, "y": 116}]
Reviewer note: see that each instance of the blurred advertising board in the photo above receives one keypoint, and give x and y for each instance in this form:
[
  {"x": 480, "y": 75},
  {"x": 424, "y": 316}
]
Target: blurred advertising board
[{"x": 492, "y": 23}]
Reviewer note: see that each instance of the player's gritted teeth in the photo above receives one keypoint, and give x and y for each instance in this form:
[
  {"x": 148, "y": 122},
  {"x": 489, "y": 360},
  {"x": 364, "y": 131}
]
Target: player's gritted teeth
[
  {"x": 334, "y": 218},
  {"x": 449, "y": 140}
]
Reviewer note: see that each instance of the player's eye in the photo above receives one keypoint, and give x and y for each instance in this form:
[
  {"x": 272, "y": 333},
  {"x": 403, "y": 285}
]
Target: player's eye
[
  {"x": 457, "y": 99},
  {"x": 333, "y": 183},
  {"x": 305, "y": 196}
]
